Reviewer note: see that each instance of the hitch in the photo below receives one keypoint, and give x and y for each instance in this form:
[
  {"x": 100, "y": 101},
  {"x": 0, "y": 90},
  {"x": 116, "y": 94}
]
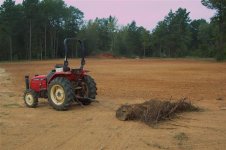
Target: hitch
[{"x": 87, "y": 98}]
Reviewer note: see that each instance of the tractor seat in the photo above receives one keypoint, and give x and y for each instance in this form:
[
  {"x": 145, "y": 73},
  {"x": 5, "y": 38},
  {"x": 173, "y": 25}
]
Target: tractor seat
[
  {"x": 65, "y": 68},
  {"x": 59, "y": 66}
]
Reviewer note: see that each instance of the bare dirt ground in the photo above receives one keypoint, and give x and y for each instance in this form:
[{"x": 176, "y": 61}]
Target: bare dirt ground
[{"x": 119, "y": 81}]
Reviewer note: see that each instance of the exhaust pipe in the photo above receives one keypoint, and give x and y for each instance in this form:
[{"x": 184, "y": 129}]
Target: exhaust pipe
[{"x": 27, "y": 82}]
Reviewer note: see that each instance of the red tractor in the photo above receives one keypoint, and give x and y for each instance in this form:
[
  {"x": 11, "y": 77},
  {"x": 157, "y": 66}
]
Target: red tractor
[{"x": 62, "y": 86}]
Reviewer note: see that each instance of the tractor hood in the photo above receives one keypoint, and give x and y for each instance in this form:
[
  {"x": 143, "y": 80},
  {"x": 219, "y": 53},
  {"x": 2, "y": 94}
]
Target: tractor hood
[
  {"x": 39, "y": 77},
  {"x": 38, "y": 83}
]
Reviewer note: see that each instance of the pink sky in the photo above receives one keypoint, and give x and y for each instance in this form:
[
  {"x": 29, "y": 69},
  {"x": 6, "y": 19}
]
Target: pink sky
[{"x": 146, "y": 13}]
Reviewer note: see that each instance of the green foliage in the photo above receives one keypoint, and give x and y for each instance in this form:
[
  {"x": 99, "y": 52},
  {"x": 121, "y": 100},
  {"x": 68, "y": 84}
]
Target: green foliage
[
  {"x": 10, "y": 18},
  {"x": 99, "y": 35},
  {"x": 194, "y": 28},
  {"x": 220, "y": 19},
  {"x": 36, "y": 29},
  {"x": 172, "y": 35}
]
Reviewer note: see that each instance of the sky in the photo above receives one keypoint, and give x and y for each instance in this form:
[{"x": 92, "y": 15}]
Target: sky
[{"x": 146, "y": 13}]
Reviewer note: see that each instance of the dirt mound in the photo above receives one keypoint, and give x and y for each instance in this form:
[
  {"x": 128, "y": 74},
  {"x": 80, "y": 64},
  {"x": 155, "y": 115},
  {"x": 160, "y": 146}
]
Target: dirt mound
[{"x": 153, "y": 111}]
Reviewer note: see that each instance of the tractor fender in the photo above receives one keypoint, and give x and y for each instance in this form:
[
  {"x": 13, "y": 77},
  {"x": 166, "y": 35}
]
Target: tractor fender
[{"x": 67, "y": 75}]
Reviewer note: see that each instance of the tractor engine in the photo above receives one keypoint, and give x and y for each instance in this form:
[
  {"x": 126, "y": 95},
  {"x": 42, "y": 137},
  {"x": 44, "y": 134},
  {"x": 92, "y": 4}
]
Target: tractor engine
[{"x": 39, "y": 84}]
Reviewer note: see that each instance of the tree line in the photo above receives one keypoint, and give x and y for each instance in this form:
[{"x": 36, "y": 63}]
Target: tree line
[{"x": 35, "y": 29}]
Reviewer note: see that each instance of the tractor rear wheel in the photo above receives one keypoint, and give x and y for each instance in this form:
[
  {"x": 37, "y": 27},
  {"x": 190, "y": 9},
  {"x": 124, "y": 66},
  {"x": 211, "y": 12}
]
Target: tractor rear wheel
[
  {"x": 60, "y": 93},
  {"x": 89, "y": 89},
  {"x": 30, "y": 98}
]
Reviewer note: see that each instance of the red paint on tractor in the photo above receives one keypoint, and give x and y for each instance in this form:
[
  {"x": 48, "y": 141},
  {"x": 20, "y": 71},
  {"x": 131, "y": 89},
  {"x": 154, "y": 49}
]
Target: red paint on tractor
[{"x": 38, "y": 83}]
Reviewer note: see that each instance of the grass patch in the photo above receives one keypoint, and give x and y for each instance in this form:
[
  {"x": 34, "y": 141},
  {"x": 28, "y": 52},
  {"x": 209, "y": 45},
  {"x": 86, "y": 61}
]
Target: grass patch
[
  {"x": 159, "y": 146},
  {"x": 181, "y": 137},
  {"x": 11, "y": 105}
]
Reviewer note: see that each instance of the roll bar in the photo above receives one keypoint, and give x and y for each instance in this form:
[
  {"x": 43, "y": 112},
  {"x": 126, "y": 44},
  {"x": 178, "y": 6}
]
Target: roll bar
[{"x": 66, "y": 51}]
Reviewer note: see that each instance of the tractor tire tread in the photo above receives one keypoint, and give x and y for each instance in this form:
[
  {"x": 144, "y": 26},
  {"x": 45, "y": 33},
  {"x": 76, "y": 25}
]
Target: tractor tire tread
[
  {"x": 69, "y": 93},
  {"x": 92, "y": 89}
]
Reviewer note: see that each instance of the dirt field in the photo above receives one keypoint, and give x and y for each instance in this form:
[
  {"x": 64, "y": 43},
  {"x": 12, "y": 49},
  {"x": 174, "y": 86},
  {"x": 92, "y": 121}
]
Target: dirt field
[{"x": 119, "y": 81}]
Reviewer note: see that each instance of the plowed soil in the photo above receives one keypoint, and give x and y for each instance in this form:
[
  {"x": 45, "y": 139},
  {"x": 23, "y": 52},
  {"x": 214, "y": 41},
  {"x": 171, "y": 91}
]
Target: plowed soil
[{"x": 119, "y": 81}]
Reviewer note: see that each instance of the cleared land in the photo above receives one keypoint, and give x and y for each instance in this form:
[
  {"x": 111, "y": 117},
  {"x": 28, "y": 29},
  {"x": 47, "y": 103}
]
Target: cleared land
[{"x": 119, "y": 81}]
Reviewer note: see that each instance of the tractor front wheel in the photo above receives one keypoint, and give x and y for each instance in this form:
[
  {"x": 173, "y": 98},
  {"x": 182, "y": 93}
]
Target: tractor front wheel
[
  {"x": 30, "y": 98},
  {"x": 60, "y": 93}
]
